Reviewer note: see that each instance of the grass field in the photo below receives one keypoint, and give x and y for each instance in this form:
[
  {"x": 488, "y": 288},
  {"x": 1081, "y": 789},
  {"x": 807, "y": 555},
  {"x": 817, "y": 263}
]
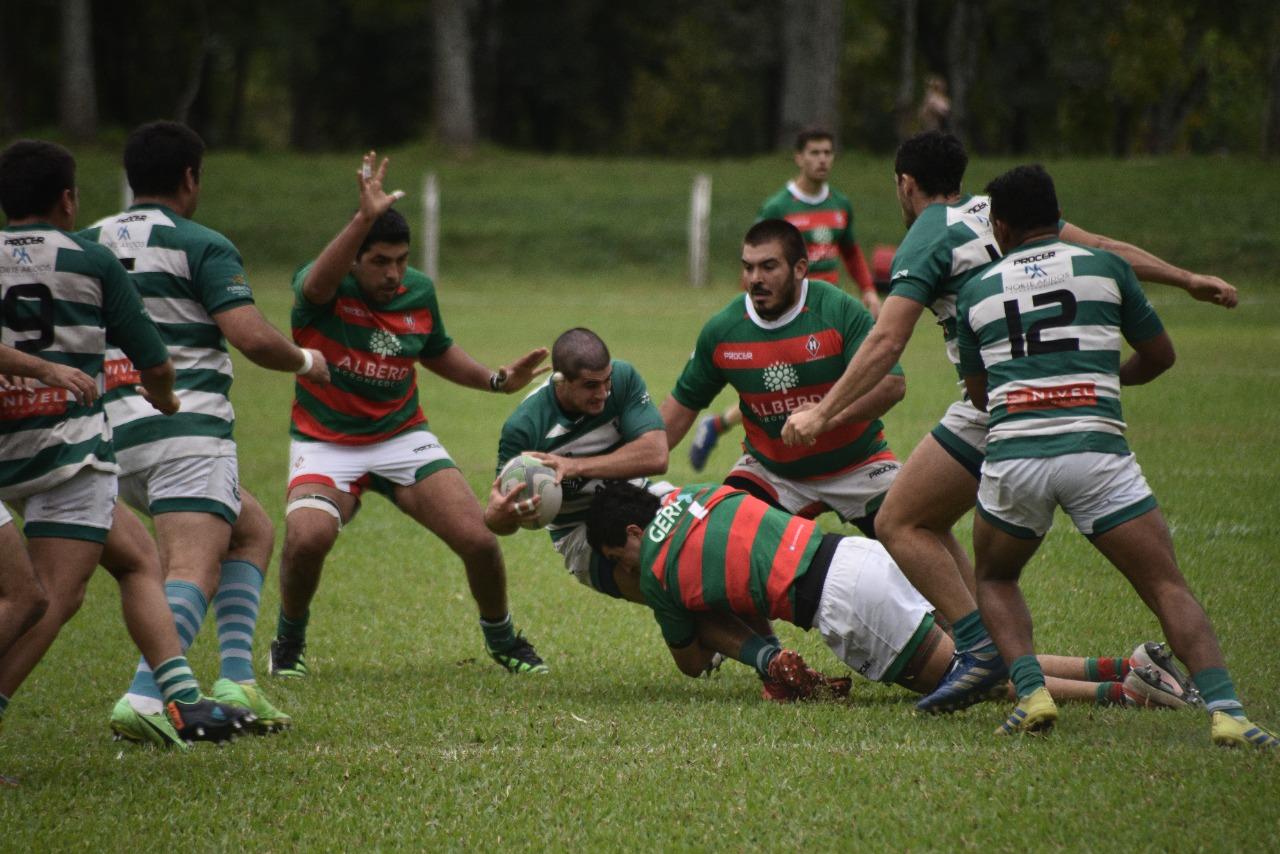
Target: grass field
[{"x": 406, "y": 736}]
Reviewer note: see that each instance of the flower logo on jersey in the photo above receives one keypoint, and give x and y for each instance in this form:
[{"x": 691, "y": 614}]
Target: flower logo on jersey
[
  {"x": 780, "y": 377},
  {"x": 384, "y": 343},
  {"x": 821, "y": 235}
]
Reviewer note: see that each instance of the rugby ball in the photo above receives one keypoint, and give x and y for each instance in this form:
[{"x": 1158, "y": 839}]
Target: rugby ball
[{"x": 538, "y": 479}]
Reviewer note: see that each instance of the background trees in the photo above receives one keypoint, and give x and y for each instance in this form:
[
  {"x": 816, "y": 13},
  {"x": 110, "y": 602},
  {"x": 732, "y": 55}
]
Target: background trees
[{"x": 713, "y": 78}]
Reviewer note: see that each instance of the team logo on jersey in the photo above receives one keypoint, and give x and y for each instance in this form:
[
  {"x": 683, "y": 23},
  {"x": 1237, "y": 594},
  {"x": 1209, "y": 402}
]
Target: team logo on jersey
[
  {"x": 812, "y": 346},
  {"x": 409, "y": 320},
  {"x": 821, "y": 235},
  {"x": 384, "y": 343},
  {"x": 122, "y": 233},
  {"x": 781, "y": 377},
  {"x": 21, "y": 255},
  {"x": 1034, "y": 271}
]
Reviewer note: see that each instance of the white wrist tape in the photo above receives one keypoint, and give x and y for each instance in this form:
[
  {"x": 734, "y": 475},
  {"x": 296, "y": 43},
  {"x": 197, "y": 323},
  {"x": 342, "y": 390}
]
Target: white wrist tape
[{"x": 308, "y": 362}]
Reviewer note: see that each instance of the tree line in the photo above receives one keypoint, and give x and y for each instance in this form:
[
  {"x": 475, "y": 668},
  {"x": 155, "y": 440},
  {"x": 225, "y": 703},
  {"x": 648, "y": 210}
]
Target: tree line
[{"x": 664, "y": 77}]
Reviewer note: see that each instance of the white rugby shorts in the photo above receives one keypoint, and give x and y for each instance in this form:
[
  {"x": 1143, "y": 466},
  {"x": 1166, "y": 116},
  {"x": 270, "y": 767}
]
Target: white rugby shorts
[
  {"x": 868, "y": 611},
  {"x": 80, "y": 508},
  {"x": 1098, "y": 491},
  {"x": 403, "y": 460},
  {"x": 186, "y": 485},
  {"x": 853, "y": 494}
]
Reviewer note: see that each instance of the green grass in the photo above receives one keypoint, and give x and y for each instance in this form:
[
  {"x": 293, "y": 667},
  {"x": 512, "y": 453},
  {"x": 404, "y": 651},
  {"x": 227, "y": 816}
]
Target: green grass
[{"x": 406, "y": 736}]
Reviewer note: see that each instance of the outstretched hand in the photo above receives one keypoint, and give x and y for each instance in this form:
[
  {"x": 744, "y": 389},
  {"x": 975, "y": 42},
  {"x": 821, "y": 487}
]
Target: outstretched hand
[
  {"x": 374, "y": 201},
  {"x": 1212, "y": 289},
  {"x": 522, "y": 371}
]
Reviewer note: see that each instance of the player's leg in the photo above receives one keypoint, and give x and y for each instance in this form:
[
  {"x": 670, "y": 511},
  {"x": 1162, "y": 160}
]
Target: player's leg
[
  {"x": 235, "y": 610},
  {"x": 22, "y": 599},
  {"x": 709, "y": 430},
  {"x": 1142, "y": 550},
  {"x": 443, "y": 503},
  {"x": 314, "y": 514}
]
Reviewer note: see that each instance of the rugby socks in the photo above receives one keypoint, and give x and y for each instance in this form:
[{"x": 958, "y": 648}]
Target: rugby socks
[
  {"x": 1106, "y": 669},
  {"x": 189, "y": 606},
  {"x": 1218, "y": 691},
  {"x": 235, "y": 608},
  {"x": 971, "y": 634},
  {"x": 499, "y": 636},
  {"x": 1110, "y": 694},
  {"x": 176, "y": 681},
  {"x": 292, "y": 629},
  {"x": 757, "y": 652},
  {"x": 1026, "y": 675}
]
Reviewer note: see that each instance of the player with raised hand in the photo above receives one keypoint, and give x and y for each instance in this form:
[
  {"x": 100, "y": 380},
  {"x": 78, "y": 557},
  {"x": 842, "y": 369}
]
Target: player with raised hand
[
  {"x": 374, "y": 318},
  {"x": 183, "y": 472},
  {"x": 593, "y": 420},
  {"x": 64, "y": 297},
  {"x": 711, "y": 561},
  {"x": 948, "y": 239},
  {"x": 1040, "y": 335}
]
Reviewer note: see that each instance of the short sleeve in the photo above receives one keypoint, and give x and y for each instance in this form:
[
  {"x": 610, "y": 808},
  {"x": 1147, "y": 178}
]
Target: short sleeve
[
  {"x": 967, "y": 340},
  {"x": 221, "y": 279},
  {"x": 1138, "y": 320},
  {"x": 639, "y": 415},
  {"x": 438, "y": 340},
  {"x": 701, "y": 380},
  {"x": 919, "y": 266},
  {"x": 305, "y": 312}
]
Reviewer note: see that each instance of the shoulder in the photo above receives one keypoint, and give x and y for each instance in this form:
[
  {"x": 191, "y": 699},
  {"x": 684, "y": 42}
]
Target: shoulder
[
  {"x": 830, "y": 302},
  {"x": 419, "y": 285},
  {"x": 778, "y": 200},
  {"x": 624, "y": 372},
  {"x": 202, "y": 235},
  {"x": 537, "y": 409},
  {"x": 723, "y": 321},
  {"x": 838, "y": 199}
]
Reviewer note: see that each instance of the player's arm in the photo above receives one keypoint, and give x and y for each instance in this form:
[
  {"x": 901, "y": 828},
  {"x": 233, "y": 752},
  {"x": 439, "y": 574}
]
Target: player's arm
[
  {"x": 876, "y": 356},
  {"x": 321, "y": 284},
  {"x": 157, "y": 387},
  {"x": 856, "y": 263},
  {"x": 976, "y": 386},
  {"x": 1150, "y": 359},
  {"x": 678, "y": 418},
  {"x": 14, "y": 362},
  {"x": 1150, "y": 268},
  {"x": 457, "y": 366},
  {"x": 128, "y": 324},
  {"x": 643, "y": 456},
  {"x": 883, "y": 396},
  {"x": 261, "y": 343},
  {"x": 693, "y": 659}
]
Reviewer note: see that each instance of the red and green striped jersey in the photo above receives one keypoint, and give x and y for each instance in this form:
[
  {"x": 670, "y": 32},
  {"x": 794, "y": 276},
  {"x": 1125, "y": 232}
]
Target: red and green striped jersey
[
  {"x": 185, "y": 274},
  {"x": 61, "y": 297},
  {"x": 372, "y": 351},
  {"x": 779, "y": 365},
  {"x": 1046, "y": 324},
  {"x": 712, "y": 548},
  {"x": 826, "y": 223}
]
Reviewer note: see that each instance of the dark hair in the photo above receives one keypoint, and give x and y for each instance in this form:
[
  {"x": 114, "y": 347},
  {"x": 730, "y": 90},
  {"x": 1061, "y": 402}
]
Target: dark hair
[
  {"x": 391, "y": 227},
  {"x": 616, "y": 505},
  {"x": 33, "y": 176},
  {"x": 936, "y": 160},
  {"x": 769, "y": 230},
  {"x": 809, "y": 135},
  {"x": 577, "y": 350},
  {"x": 1023, "y": 198},
  {"x": 158, "y": 154}
]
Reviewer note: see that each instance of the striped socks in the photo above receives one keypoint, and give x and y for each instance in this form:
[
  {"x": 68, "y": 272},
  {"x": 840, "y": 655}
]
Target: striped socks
[
  {"x": 235, "y": 608},
  {"x": 188, "y": 605}
]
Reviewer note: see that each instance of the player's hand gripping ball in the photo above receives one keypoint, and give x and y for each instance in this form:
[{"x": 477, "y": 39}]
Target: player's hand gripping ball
[{"x": 539, "y": 480}]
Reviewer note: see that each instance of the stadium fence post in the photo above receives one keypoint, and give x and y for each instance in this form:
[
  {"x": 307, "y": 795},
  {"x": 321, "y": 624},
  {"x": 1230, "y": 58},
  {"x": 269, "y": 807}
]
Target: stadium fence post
[
  {"x": 431, "y": 226},
  {"x": 699, "y": 229}
]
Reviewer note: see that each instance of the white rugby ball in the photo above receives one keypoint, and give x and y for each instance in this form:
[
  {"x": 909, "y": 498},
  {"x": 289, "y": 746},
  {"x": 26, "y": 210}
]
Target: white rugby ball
[{"x": 538, "y": 479}]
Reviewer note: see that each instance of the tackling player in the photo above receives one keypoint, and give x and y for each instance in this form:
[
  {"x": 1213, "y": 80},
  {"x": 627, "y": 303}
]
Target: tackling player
[
  {"x": 824, "y": 217},
  {"x": 375, "y": 318},
  {"x": 948, "y": 238},
  {"x": 1040, "y": 336},
  {"x": 781, "y": 346},
  {"x": 593, "y": 420},
  {"x": 712, "y": 549},
  {"x": 63, "y": 297},
  {"x": 182, "y": 471}
]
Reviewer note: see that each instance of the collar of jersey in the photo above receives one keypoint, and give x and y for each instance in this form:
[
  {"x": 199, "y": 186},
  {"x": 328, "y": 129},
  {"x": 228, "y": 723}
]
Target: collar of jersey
[
  {"x": 790, "y": 315},
  {"x": 818, "y": 199}
]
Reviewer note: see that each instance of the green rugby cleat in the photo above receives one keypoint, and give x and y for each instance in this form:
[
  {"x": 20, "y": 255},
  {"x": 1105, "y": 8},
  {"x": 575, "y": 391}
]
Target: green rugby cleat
[
  {"x": 129, "y": 724},
  {"x": 1035, "y": 714},
  {"x": 1227, "y": 731},
  {"x": 243, "y": 696},
  {"x": 520, "y": 657},
  {"x": 287, "y": 658}
]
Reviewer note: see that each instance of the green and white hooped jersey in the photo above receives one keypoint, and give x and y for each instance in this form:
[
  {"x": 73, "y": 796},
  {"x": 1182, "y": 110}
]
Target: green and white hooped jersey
[
  {"x": 1046, "y": 323},
  {"x": 942, "y": 249},
  {"x": 539, "y": 424},
  {"x": 185, "y": 274},
  {"x": 60, "y": 297}
]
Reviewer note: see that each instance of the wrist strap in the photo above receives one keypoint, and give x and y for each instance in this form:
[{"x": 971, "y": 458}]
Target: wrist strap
[
  {"x": 308, "y": 361},
  {"x": 498, "y": 379}
]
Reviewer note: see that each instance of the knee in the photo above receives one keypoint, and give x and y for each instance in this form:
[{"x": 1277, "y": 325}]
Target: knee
[
  {"x": 34, "y": 606},
  {"x": 478, "y": 546},
  {"x": 307, "y": 539}
]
